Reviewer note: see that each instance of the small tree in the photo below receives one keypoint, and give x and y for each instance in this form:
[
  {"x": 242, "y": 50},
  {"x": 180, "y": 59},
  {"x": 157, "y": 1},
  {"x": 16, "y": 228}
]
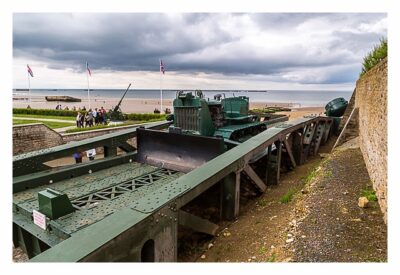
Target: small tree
[{"x": 375, "y": 56}]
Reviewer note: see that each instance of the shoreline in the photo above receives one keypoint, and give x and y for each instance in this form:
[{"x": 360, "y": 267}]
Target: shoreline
[{"x": 138, "y": 105}]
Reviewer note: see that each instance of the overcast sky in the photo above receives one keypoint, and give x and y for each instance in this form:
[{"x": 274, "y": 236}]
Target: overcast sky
[{"x": 201, "y": 51}]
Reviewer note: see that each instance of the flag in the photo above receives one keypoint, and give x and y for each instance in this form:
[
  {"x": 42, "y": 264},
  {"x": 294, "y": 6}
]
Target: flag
[
  {"x": 162, "y": 69},
  {"x": 29, "y": 70},
  {"x": 87, "y": 68}
]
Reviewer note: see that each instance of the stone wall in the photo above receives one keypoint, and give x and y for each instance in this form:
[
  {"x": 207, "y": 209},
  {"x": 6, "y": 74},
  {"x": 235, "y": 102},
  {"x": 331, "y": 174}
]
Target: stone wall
[
  {"x": 371, "y": 99},
  {"x": 31, "y": 137}
]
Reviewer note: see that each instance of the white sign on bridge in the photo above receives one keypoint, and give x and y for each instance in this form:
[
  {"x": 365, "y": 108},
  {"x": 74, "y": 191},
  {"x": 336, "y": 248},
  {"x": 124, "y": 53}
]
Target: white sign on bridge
[{"x": 39, "y": 219}]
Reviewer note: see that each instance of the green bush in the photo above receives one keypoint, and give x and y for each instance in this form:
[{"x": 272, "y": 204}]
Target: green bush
[
  {"x": 69, "y": 113},
  {"x": 375, "y": 56},
  {"x": 44, "y": 112}
]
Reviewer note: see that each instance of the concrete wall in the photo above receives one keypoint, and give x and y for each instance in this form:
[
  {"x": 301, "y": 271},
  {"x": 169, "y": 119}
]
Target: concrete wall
[
  {"x": 31, "y": 137},
  {"x": 371, "y": 99}
]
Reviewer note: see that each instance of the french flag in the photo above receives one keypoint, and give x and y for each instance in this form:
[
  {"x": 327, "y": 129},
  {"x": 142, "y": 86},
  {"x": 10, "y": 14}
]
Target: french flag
[
  {"x": 29, "y": 70},
  {"x": 87, "y": 68}
]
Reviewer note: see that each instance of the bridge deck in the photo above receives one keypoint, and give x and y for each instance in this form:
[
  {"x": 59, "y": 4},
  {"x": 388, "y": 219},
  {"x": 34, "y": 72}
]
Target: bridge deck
[
  {"x": 131, "y": 211},
  {"x": 94, "y": 196}
]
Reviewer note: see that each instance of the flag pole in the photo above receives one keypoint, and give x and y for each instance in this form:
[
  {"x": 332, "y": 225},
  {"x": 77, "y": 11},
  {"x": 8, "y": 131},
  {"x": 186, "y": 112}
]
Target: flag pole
[
  {"x": 29, "y": 87},
  {"x": 161, "y": 91},
  {"x": 88, "y": 88},
  {"x": 161, "y": 95}
]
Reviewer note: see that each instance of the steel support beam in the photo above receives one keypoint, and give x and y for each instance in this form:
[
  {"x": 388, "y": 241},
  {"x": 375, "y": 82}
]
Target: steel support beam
[
  {"x": 318, "y": 137},
  {"x": 51, "y": 176},
  {"x": 289, "y": 152},
  {"x": 274, "y": 164},
  {"x": 109, "y": 151},
  {"x": 255, "y": 178},
  {"x": 230, "y": 195},
  {"x": 328, "y": 125},
  {"x": 33, "y": 161},
  {"x": 297, "y": 145},
  {"x": 309, "y": 133},
  {"x": 126, "y": 147},
  {"x": 196, "y": 223}
]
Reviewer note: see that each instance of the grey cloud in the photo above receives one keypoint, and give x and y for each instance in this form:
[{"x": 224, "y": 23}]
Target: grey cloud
[{"x": 126, "y": 42}]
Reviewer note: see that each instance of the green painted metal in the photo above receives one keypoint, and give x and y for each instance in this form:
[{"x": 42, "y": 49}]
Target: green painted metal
[
  {"x": 109, "y": 190},
  {"x": 33, "y": 161},
  {"x": 117, "y": 228},
  {"x": 192, "y": 114},
  {"x": 227, "y": 117},
  {"x": 336, "y": 107},
  {"x": 54, "y": 204},
  {"x": 236, "y": 107},
  {"x": 33, "y": 180},
  {"x": 89, "y": 239},
  {"x": 208, "y": 174}
]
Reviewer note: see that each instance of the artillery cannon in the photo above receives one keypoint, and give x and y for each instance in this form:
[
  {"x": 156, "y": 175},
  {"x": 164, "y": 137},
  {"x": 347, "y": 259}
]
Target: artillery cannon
[{"x": 116, "y": 113}]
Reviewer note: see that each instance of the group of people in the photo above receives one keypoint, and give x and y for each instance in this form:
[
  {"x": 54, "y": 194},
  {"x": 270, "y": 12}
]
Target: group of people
[
  {"x": 59, "y": 107},
  {"x": 91, "y": 153},
  {"x": 91, "y": 118}
]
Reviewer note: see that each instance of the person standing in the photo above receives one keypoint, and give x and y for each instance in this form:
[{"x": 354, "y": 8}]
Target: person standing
[
  {"x": 78, "y": 120},
  {"x": 82, "y": 120},
  {"x": 91, "y": 154},
  {"x": 104, "y": 114},
  {"x": 78, "y": 157},
  {"x": 95, "y": 114}
]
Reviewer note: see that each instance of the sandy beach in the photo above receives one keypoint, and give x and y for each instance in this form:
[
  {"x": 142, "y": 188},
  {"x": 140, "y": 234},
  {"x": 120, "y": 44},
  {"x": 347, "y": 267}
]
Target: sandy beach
[{"x": 145, "y": 105}]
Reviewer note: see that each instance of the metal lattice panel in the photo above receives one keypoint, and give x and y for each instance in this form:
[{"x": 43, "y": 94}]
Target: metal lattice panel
[{"x": 129, "y": 186}]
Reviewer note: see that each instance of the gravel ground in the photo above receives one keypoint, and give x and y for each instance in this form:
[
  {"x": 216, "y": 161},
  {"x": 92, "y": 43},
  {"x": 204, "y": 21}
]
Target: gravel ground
[{"x": 335, "y": 228}]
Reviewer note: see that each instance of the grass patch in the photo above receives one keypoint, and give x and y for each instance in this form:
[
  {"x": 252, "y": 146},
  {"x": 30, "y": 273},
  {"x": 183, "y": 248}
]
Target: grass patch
[
  {"x": 310, "y": 177},
  {"x": 288, "y": 196},
  {"x": 69, "y": 118},
  {"x": 369, "y": 193},
  {"x": 272, "y": 258},
  {"x": 262, "y": 202},
  {"x": 328, "y": 174},
  {"x": 50, "y": 124},
  {"x": 378, "y": 53},
  {"x": 262, "y": 250}
]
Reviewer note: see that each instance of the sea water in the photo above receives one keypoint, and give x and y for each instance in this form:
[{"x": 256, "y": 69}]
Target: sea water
[{"x": 299, "y": 98}]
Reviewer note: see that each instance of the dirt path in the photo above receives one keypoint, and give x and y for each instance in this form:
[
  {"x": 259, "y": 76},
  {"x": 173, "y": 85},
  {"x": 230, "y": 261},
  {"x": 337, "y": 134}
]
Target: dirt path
[{"x": 322, "y": 223}]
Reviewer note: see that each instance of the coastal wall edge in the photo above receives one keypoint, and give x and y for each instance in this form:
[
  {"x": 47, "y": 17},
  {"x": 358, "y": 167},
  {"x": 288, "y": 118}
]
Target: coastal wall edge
[{"x": 371, "y": 99}]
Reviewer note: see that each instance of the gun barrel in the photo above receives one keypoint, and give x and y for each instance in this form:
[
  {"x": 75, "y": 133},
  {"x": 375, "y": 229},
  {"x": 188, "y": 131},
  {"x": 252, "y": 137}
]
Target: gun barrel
[{"x": 119, "y": 103}]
